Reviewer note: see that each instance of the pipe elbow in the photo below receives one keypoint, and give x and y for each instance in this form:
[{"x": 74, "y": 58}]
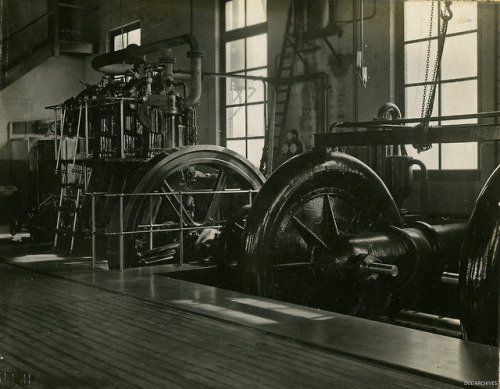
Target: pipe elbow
[
  {"x": 421, "y": 165},
  {"x": 192, "y": 42},
  {"x": 196, "y": 84},
  {"x": 389, "y": 109}
]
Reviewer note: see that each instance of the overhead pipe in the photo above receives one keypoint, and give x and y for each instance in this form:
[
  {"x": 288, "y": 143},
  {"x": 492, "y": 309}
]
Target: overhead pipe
[
  {"x": 119, "y": 62},
  {"x": 194, "y": 53}
]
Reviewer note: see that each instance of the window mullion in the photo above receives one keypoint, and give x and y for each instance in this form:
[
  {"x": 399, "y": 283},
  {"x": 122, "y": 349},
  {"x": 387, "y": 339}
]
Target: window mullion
[
  {"x": 245, "y": 83},
  {"x": 450, "y": 100},
  {"x": 243, "y": 142}
]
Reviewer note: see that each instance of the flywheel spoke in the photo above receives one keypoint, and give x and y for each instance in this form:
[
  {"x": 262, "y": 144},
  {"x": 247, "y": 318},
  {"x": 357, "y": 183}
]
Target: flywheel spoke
[
  {"x": 175, "y": 203},
  {"x": 331, "y": 213},
  {"x": 238, "y": 227},
  {"x": 308, "y": 234},
  {"x": 220, "y": 185},
  {"x": 355, "y": 219}
]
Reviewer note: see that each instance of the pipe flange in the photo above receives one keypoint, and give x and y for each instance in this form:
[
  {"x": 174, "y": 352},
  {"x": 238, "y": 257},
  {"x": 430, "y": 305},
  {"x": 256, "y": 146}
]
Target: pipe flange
[
  {"x": 408, "y": 275},
  {"x": 195, "y": 54},
  {"x": 431, "y": 235}
]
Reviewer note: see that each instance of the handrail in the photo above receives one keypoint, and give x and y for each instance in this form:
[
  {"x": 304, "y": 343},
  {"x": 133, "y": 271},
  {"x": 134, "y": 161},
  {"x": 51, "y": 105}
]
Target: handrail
[
  {"x": 377, "y": 122},
  {"x": 153, "y": 227},
  {"x": 79, "y": 7},
  {"x": 46, "y": 14}
]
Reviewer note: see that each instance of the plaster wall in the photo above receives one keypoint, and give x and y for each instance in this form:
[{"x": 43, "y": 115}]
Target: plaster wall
[{"x": 51, "y": 83}]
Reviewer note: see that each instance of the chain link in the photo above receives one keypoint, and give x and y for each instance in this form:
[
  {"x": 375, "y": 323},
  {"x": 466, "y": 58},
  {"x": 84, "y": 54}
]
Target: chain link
[
  {"x": 427, "y": 102},
  {"x": 442, "y": 33},
  {"x": 427, "y": 62}
]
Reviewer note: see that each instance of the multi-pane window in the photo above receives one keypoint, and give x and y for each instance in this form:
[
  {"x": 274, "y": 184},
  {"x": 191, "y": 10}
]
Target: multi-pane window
[
  {"x": 245, "y": 47},
  {"x": 122, "y": 37},
  {"x": 457, "y": 81}
]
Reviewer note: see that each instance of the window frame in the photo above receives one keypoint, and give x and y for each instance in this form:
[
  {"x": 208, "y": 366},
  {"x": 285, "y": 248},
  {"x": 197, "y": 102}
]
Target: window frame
[
  {"x": 403, "y": 85},
  {"x": 122, "y": 30},
  {"x": 234, "y": 35}
]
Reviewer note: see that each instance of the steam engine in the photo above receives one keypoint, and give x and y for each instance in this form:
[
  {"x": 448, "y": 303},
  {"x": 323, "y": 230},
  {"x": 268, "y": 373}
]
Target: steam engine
[
  {"x": 324, "y": 230},
  {"x": 135, "y": 133}
]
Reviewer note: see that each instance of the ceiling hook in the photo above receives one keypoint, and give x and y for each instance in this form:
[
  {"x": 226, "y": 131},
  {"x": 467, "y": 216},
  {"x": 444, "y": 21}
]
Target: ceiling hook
[{"x": 448, "y": 10}]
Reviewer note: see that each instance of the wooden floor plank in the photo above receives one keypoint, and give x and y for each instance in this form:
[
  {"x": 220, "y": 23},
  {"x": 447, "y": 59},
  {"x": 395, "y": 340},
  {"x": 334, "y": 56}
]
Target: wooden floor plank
[
  {"x": 71, "y": 335},
  {"x": 127, "y": 350}
]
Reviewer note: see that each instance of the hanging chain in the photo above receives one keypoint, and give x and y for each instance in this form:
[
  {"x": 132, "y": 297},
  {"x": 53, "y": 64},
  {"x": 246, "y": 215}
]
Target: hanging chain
[
  {"x": 427, "y": 62},
  {"x": 441, "y": 39},
  {"x": 427, "y": 104}
]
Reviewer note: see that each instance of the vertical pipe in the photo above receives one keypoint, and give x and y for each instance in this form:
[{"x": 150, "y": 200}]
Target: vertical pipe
[
  {"x": 94, "y": 243},
  {"x": 86, "y": 129},
  {"x": 423, "y": 186},
  {"x": 192, "y": 19},
  {"x": 496, "y": 99},
  {"x": 270, "y": 135},
  {"x": 325, "y": 13},
  {"x": 121, "y": 237},
  {"x": 361, "y": 28},
  {"x": 354, "y": 69},
  {"x": 150, "y": 222},
  {"x": 122, "y": 146},
  {"x": 266, "y": 106},
  {"x": 173, "y": 143},
  {"x": 181, "y": 232}
]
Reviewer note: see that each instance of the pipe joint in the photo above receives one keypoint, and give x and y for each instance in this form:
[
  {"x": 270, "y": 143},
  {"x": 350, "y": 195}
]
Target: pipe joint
[{"x": 195, "y": 54}]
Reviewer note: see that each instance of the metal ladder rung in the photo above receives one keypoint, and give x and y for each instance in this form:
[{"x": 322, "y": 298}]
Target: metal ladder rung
[
  {"x": 73, "y": 185},
  {"x": 68, "y": 208},
  {"x": 64, "y": 231}
]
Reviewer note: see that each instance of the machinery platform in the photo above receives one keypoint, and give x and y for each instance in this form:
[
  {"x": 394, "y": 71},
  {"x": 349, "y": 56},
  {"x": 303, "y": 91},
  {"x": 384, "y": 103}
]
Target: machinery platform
[{"x": 65, "y": 324}]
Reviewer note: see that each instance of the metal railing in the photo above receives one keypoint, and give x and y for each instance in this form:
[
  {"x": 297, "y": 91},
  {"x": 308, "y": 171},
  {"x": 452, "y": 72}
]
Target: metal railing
[
  {"x": 151, "y": 228},
  {"x": 26, "y": 26}
]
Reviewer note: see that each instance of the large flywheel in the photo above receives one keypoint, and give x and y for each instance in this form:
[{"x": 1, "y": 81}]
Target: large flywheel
[
  {"x": 190, "y": 182},
  {"x": 300, "y": 232},
  {"x": 479, "y": 267}
]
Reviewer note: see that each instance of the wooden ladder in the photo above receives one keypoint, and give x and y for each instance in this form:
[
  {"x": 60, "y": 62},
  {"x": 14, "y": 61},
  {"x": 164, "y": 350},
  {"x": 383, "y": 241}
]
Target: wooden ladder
[
  {"x": 70, "y": 203},
  {"x": 74, "y": 179}
]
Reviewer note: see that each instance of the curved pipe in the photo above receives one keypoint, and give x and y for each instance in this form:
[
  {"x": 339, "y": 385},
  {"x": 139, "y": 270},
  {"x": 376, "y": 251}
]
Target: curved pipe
[
  {"x": 195, "y": 94},
  {"x": 168, "y": 43},
  {"x": 423, "y": 186},
  {"x": 118, "y": 62},
  {"x": 194, "y": 53},
  {"x": 392, "y": 112},
  {"x": 389, "y": 108}
]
